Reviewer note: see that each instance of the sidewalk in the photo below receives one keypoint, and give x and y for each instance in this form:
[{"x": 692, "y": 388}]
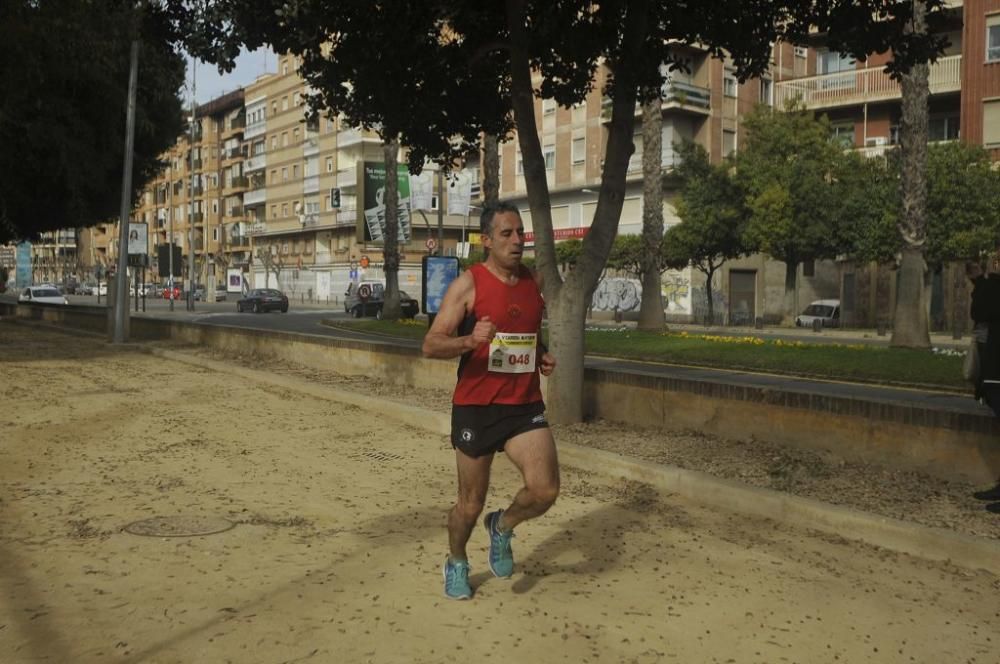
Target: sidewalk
[{"x": 339, "y": 534}]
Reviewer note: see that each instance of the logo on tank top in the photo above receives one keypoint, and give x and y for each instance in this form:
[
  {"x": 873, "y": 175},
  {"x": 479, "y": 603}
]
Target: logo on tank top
[
  {"x": 514, "y": 311},
  {"x": 467, "y": 435}
]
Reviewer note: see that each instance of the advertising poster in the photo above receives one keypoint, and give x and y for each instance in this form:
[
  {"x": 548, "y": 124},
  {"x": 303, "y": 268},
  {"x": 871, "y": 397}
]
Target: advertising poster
[
  {"x": 22, "y": 270},
  {"x": 422, "y": 190},
  {"x": 138, "y": 239},
  {"x": 372, "y": 222},
  {"x": 438, "y": 273}
]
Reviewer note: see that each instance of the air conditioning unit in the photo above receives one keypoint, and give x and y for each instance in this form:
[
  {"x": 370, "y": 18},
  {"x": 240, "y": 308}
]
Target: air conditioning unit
[
  {"x": 800, "y": 51},
  {"x": 876, "y": 141}
]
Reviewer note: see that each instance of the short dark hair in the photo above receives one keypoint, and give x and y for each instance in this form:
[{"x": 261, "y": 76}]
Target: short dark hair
[{"x": 491, "y": 211}]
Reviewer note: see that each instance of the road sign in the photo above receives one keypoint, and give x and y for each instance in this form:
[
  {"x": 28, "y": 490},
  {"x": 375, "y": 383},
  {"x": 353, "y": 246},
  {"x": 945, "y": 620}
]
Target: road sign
[
  {"x": 365, "y": 291},
  {"x": 431, "y": 244}
]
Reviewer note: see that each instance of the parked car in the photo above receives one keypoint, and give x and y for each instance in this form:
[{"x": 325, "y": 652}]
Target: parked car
[
  {"x": 171, "y": 293},
  {"x": 263, "y": 299},
  {"x": 352, "y": 297},
  {"x": 373, "y": 306},
  {"x": 42, "y": 295},
  {"x": 86, "y": 289},
  {"x": 221, "y": 294},
  {"x": 827, "y": 312}
]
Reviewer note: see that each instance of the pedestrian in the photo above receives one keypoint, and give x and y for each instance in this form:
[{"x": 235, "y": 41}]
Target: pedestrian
[
  {"x": 985, "y": 313},
  {"x": 491, "y": 317}
]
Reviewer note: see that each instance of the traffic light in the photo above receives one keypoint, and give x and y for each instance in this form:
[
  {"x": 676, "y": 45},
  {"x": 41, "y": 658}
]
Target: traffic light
[{"x": 335, "y": 198}]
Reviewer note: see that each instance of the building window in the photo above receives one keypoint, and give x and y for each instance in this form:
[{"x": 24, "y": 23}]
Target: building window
[
  {"x": 520, "y": 163},
  {"x": 831, "y": 62},
  {"x": 284, "y": 209},
  {"x": 842, "y": 133},
  {"x": 728, "y": 142},
  {"x": 993, "y": 38},
  {"x": 274, "y": 143},
  {"x": 329, "y": 164},
  {"x": 991, "y": 123},
  {"x": 548, "y": 106},
  {"x": 296, "y": 99},
  {"x": 729, "y": 84},
  {"x": 326, "y": 203},
  {"x": 284, "y": 173},
  {"x": 274, "y": 212},
  {"x": 274, "y": 108},
  {"x": 943, "y": 128},
  {"x": 766, "y": 86},
  {"x": 295, "y": 171},
  {"x": 434, "y": 202},
  {"x": 295, "y": 135},
  {"x": 215, "y": 234},
  {"x": 284, "y": 103},
  {"x": 579, "y": 150},
  {"x": 800, "y": 51},
  {"x": 284, "y": 139},
  {"x": 274, "y": 175},
  {"x": 284, "y": 68},
  {"x": 549, "y": 154}
]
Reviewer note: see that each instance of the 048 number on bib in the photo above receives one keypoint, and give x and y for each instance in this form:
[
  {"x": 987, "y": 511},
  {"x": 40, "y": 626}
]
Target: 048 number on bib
[{"x": 512, "y": 353}]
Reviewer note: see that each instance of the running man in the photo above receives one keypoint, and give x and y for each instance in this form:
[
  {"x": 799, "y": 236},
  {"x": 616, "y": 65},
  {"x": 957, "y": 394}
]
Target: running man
[{"x": 491, "y": 316}]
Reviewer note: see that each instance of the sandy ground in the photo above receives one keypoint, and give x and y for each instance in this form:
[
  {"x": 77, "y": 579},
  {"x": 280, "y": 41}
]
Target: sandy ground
[{"x": 340, "y": 534}]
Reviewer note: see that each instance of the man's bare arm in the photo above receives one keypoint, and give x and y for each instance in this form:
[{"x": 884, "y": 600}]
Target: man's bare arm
[{"x": 441, "y": 340}]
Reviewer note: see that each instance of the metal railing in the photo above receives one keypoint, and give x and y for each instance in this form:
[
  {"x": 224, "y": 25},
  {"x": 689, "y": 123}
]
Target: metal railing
[{"x": 862, "y": 85}]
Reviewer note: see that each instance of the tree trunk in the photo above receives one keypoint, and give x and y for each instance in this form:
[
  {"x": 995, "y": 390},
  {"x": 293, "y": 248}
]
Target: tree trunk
[
  {"x": 709, "y": 296},
  {"x": 390, "y": 306},
  {"x": 910, "y": 325},
  {"x": 651, "y": 316},
  {"x": 567, "y": 318},
  {"x": 566, "y": 301},
  {"x": 491, "y": 170},
  {"x": 791, "y": 292}
]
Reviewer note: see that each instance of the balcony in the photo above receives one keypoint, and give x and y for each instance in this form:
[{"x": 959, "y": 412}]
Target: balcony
[
  {"x": 237, "y": 241},
  {"x": 232, "y": 153},
  {"x": 255, "y": 163},
  {"x": 347, "y": 177},
  {"x": 236, "y": 126},
  {"x": 255, "y": 197},
  {"x": 310, "y": 184},
  {"x": 848, "y": 88},
  {"x": 677, "y": 96},
  {"x": 310, "y": 146},
  {"x": 255, "y": 129},
  {"x": 257, "y": 228},
  {"x": 347, "y": 138},
  {"x": 235, "y": 212},
  {"x": 239, "y": 182}
]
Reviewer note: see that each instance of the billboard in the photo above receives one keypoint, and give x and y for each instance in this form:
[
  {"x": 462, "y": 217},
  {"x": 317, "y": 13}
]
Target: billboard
[
  {"x": 438, "y": 273},
  {"x": 138, "y": 239},
  {"x": 22, "y": 269},
  {"x": 371, "y": 194}
]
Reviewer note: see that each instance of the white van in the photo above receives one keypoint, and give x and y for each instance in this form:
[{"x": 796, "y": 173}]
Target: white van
[{"x": 827, "y": 312}]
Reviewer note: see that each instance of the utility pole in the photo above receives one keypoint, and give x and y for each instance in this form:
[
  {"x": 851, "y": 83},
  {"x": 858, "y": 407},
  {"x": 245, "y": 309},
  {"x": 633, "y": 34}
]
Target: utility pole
[
  {"x": 170, "y": 247},
  {"x": 190, "y": 280},
  {"x": 440, "y": 211},
  {"x": 121, "y": 292}
]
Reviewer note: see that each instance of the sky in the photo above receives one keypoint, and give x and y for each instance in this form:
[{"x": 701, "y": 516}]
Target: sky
[{"x": 209, "y": 84}]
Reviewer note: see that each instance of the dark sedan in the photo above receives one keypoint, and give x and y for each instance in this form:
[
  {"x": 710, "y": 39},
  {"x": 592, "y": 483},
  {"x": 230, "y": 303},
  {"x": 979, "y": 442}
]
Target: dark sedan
[
  {"x": 373, "y": 307},
  {"x": 263, "y": 299}
]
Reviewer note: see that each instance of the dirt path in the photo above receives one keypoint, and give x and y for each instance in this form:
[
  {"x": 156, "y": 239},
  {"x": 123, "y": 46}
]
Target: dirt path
[{"x": 340, "y": 533}]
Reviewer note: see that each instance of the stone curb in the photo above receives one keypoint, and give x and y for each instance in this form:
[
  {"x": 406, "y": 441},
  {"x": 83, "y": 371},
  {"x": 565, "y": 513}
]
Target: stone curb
[{"x": 888, "y": 533}]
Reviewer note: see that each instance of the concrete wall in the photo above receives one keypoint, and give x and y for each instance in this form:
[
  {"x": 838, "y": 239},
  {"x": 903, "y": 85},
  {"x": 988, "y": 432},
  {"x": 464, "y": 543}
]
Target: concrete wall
[{"x": 936, "y": 441}]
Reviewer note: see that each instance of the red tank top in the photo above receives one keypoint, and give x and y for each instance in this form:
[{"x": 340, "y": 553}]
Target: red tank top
[{"x": 513, "y": 309}]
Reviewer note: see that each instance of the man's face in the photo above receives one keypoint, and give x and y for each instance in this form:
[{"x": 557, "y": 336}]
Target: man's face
[{"x": 506, "y": 242}]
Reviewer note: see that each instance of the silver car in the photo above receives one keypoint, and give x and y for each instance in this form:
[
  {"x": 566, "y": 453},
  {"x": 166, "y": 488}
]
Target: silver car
[{"x": 42, "y": 295}]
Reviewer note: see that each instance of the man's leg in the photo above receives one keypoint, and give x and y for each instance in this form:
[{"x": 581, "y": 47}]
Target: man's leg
[
  {"x": 534, "y": 454},
  {"x": 473, "y": 482}
]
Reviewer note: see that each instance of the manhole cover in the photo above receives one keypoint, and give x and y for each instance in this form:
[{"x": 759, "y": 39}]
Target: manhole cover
[
  {"x": 179, "y": 526},
  {"x": 381, "y": 456}
]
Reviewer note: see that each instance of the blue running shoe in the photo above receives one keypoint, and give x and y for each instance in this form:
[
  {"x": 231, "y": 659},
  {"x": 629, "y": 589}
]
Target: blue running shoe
[
  {"x": 456, "y": 579},
  {"x": 501, "y": 557}
]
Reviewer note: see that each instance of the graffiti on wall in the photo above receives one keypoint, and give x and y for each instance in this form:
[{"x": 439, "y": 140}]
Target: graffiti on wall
[
  {"x": 675, "y": 286},
  {"x": 617, "y": 294}
]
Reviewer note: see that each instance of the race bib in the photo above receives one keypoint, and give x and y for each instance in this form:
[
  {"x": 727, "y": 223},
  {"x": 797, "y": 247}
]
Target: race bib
[{"x": 513, "y": 353}]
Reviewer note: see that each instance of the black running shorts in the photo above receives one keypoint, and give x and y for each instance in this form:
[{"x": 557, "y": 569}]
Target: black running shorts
[{"x": 481, "y": 430}]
